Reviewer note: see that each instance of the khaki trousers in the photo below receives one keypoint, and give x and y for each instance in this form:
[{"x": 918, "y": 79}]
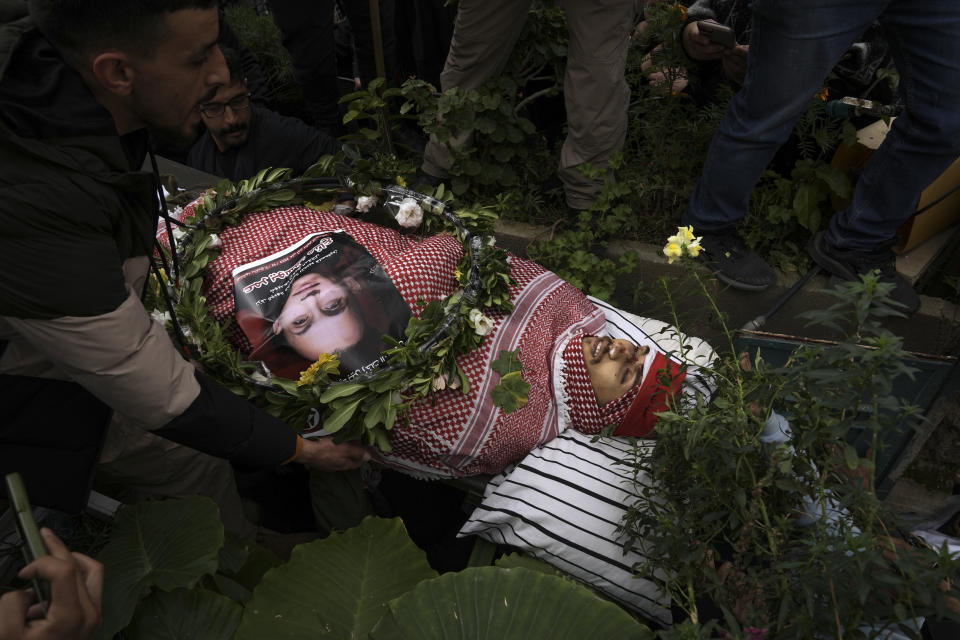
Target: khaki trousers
[{"x": 596, "y": 94}]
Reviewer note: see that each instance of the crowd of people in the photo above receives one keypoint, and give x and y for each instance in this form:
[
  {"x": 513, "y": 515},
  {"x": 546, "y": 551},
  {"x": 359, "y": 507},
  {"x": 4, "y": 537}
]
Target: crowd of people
[{"x": 87, "y": 87}]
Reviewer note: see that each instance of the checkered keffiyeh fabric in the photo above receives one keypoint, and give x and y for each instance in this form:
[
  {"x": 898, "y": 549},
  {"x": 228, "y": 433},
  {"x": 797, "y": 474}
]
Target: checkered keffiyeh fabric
[{"x": 452, "y": 433}]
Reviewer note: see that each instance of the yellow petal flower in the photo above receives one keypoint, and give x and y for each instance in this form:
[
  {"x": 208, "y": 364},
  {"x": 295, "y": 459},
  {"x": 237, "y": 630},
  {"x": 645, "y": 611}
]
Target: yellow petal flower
[
  {"x": 673, "y": 250},
  {"x": 686, "y": 233},
  {"x": 327, "y": 362},
  {"x": 401, "y": 181}
]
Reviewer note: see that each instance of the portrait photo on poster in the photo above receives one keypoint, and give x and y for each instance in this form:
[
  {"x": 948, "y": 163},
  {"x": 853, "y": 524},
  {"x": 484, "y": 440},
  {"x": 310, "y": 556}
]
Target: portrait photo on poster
[{"x": 324, "y": 294}]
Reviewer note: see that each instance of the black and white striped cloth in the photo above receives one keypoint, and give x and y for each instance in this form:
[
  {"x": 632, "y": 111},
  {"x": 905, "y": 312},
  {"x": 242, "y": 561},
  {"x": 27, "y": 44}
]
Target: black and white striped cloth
[
  {"x": 562, "y": 504},
  {"x": 564, "y": 501}
]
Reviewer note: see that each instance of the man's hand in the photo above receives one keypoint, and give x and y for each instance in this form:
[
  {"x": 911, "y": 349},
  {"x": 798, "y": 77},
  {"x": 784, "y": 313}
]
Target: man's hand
[
  {"x": 76, "y": 591},
  {"x": 324, "y": 454},
  {"x": 698, "y": 46},
  {"x": 735, "y": 62}
]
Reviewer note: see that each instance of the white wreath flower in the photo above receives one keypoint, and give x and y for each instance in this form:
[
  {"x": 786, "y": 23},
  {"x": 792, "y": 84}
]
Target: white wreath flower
[
  {"x": 365, "y": 203},
  {"x": 482, "y": 325},
  {"x": 410, "y": 214}
]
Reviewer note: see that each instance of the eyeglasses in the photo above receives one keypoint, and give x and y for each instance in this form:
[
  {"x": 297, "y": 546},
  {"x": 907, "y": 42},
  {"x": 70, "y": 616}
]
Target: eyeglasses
[{"x": 216, "y": 109}]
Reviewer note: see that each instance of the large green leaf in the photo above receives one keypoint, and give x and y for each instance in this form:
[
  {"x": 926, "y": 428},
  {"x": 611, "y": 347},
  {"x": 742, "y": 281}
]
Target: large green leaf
[
  {"x": 166, "y": 544},
  {"x": 490, "y": 603},
  {"x": 182, "y": 614},
  {"x": 337, "y": 587},
  {"x": 245, "y": 561}
]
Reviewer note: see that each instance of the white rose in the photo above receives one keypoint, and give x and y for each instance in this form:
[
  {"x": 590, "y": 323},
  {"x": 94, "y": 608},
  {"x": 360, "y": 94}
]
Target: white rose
[
  {"x": 482, "y": 325},
  {"x": 365, "y": 203},
  {"x": 215, "y": 242},
  {"x": 410, "y": 214}
]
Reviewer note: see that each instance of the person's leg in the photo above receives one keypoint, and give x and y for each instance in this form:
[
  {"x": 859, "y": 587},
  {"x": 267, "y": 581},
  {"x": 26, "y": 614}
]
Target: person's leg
[
  {"x": 307, "y": 29},
  {"x": 358, "y": 13},
  {"x": 924, "y": 36},
  {"x": 792, "y": 48},
  {"x": 596, "y": 94},
  {"x": 483, "y": 37},
  {"x": 148, "y": 466},
  {"x": 925, "y": 41}
]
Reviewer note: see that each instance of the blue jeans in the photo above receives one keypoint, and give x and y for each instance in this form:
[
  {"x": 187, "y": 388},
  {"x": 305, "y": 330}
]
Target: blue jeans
[{"x": 794, "y": 44}]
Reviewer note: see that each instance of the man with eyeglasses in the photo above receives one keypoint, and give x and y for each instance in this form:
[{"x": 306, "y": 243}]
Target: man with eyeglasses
[{"x": 243, "y": 138}]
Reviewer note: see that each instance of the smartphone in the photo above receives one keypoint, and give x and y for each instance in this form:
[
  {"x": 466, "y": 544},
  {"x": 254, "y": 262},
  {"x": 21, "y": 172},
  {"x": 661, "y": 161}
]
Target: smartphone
[
  {"x": 717, "y": 33},
  {"x": 31, "y": 543}
]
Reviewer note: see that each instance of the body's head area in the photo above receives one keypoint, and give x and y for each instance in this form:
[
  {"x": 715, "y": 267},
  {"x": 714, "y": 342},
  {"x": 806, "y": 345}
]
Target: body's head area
[
  {"x": 149, "y": 62},
  {"x": 228, "y": 115},
  {"x": 616, "y": 382}
]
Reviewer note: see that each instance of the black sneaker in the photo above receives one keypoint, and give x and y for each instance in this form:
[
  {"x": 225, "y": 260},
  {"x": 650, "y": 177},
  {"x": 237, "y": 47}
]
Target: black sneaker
[
  {"x": 733, "y": 263},
  {"x": 849, "y": 264}
]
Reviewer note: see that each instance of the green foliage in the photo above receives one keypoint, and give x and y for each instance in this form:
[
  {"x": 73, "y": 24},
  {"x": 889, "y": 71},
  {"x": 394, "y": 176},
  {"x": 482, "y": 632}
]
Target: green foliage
[
  {"x": 511, "y": 392},
  {"x": 578, "y": 255},
  {"x": 369, "y": 582},
  {"x": 493, "y": 147},
  {"x": 490, "y": 603},
  {"x": 785, "y": 212},
  {"x": 785, "y": 537},
  {"x": 157, "y": 545},
  {"x": 262, "y": 37},
  {"x": 185, "y": 614},
  {"x": 338, "y": 587}
]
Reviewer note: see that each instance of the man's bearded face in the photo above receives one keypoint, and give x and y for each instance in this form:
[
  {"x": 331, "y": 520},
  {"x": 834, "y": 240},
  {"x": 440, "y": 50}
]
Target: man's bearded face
[{"x": 231, "y": 128}]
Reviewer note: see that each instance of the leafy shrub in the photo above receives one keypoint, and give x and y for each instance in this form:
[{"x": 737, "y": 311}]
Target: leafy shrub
[
  {"x": 171, "y": 573},
  {"x": 789, "y": 538}
]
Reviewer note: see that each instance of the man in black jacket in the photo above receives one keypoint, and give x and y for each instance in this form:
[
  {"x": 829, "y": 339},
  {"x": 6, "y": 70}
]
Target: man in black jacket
[
  {"x": 80, "y": 82},
  {"x": 242, "y": 138}
]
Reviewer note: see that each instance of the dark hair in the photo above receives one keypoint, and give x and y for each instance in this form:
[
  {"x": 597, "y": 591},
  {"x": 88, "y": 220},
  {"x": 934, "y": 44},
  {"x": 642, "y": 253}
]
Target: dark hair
[
  {"x": 234, "y": 64},
  {"x": 80, "y": 27}
]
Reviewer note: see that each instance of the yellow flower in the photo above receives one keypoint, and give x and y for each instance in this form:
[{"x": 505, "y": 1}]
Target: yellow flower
[
  {"x": 327, "y": 363},
  {"x": 401, "y": 181},
  {"x": 457, "y": 274},
  {"x": 673, "y": 251},
  {"x": 683, "y": 11},
  {"x": 682, "y": 243},
  {"x": 822, "y": 94}
]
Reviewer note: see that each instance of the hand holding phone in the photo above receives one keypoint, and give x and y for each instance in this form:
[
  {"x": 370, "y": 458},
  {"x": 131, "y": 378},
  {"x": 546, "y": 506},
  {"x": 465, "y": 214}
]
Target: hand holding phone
[
  {"x": 717, "y": 33},
  {"x": 31, "y": 543},
  {"x": 76, "y": 584},
  {"x": 697, "y": 45}
]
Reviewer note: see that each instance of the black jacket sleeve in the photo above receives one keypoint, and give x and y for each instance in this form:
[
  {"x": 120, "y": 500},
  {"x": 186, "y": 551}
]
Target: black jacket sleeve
[{"x": 223, "y": 424}]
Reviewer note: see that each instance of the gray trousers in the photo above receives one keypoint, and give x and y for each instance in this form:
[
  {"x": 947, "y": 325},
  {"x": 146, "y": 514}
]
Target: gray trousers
[
  {"x": 148, "y": 466},
  {"x": 595, "y": 90}
]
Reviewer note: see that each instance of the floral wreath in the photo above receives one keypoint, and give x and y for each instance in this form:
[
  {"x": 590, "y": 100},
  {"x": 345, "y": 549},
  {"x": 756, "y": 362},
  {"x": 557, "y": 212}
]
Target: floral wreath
[{"x": 367, "y": 406}]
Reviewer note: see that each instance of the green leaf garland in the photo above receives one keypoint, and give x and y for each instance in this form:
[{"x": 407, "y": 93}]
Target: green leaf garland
[{"x": 368, "y": 406}]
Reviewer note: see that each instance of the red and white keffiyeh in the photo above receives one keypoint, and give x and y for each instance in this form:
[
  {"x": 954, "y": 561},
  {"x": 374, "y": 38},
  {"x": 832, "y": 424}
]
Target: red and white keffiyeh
[{"x": 454, "y": 434}]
